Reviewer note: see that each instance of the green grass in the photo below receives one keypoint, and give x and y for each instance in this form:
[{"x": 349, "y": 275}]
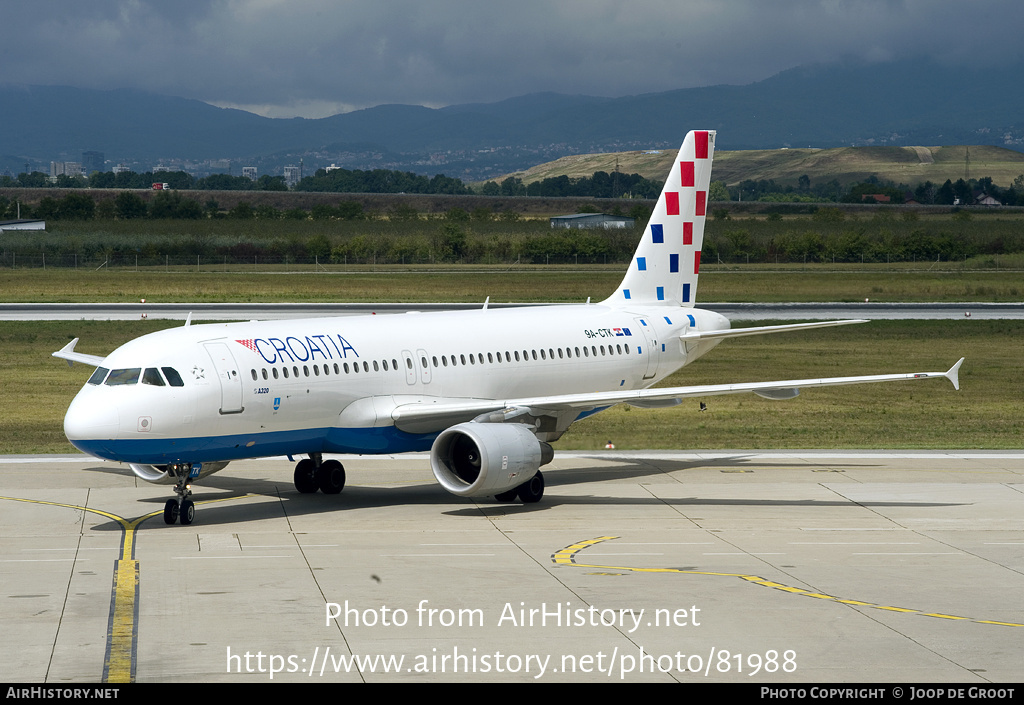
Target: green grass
[
  {"x": 988, "y": 412},
  {"x": 359, "y": 284},
  {"x": 732, "y": 283}
]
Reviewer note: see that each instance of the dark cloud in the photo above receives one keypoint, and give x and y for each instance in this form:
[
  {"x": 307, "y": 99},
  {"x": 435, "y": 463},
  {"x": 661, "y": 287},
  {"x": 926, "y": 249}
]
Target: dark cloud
[{"x": 286, "y": 57}]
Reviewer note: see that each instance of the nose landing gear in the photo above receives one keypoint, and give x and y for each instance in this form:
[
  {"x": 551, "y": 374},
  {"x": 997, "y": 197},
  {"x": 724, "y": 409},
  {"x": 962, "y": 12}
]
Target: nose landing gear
[{"x": 181, "y": 509}]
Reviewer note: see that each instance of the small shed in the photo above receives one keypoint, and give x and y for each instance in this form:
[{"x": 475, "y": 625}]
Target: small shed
[
  {"x": 592, "y": 220},
  {"x": 6, "y": 225}
]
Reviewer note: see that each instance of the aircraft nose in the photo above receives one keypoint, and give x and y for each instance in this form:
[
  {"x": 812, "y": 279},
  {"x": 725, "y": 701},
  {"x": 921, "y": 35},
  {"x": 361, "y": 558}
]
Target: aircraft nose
[{"x": 88, "y": 420}]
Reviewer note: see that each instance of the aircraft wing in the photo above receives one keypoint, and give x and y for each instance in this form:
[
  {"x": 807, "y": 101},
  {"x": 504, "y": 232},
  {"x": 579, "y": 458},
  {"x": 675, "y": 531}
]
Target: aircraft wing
[
  {"x": 68, "y": 353},
  {"x": 428, "y": 416}
]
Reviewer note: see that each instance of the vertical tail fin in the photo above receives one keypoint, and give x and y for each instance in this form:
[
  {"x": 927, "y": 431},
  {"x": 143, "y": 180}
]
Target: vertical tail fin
[{"x": 667, "y": 260}]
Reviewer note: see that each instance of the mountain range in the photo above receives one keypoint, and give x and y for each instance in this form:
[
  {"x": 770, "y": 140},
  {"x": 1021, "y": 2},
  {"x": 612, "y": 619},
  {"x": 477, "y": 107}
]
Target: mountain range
[{"x": 897, "y": 103}]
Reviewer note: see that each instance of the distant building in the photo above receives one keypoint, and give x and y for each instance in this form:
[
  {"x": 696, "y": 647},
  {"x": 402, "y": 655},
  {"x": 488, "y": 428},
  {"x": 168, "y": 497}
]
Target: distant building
[
  {"x": 592, "y": 220},
  {"x": 292, "y": 175},
  {"x": 93, "y": 161},
  {"x": 249, "y": 172},
  {"x": 65, "y": 169}
]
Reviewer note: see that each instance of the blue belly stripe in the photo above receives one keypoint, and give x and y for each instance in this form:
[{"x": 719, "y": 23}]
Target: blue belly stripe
[
  {"x": 205, "y": 449},
  {"x": 158, "y": 451}
]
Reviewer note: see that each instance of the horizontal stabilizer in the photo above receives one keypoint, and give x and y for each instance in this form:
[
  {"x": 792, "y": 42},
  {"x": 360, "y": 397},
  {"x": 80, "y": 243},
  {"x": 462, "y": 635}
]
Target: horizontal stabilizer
[{"x": 762, "y": 330}]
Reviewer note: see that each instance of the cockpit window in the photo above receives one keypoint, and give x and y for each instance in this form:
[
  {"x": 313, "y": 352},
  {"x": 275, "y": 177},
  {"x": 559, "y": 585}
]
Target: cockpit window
[
  {"x": 152, "y": 376},
  {"x": 173, "y": 378},
  {"x": 98, "y": 375},
  {"x": 125, "y": 376}
]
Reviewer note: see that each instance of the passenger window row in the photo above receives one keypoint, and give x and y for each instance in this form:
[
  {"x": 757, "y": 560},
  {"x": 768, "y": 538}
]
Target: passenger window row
[
  {"x": 444, "y": 361},
  {"x": 325, "y": 369},
  {"x": 527, "y": 355}
]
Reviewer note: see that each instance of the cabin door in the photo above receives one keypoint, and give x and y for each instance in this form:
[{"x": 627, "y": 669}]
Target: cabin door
[
  {"x": 650, "y": 350},
  {"x": 230, "y": 380}
]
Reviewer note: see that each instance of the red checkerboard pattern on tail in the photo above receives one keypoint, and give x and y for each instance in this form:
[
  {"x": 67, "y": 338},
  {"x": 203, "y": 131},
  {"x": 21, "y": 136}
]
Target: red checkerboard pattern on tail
[{"x": 667, "y": 259}]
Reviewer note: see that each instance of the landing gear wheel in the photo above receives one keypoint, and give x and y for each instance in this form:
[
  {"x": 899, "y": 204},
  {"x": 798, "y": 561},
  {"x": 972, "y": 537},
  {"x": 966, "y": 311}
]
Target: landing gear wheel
[
  {"x": 171, "y": 511},
  {"x": 187, "y": 512},
  {"x": 532, "y": 490},
  {"x": 181, "y": 509},
  {"x": 330, "y": 477},
  {"x": 507, "y": 496},
  {"x": 305, "y": 476}
]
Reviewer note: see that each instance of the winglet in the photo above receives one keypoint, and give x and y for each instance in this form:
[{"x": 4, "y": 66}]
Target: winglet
[
  {"x": 69, "y": 349},
  {"x": 953, "y": 375},
  {"x": 68, "y": 353}
]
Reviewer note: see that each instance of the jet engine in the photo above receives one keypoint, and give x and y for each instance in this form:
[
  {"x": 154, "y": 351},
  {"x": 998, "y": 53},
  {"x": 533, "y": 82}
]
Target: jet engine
[
  {"x": 484, "y": 459},
  {"x": 164, "y": 474}
]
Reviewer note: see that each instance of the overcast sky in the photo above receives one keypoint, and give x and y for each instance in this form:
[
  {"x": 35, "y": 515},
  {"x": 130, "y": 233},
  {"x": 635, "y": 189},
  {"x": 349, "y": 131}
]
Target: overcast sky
[{"x": 283, "y": 58}]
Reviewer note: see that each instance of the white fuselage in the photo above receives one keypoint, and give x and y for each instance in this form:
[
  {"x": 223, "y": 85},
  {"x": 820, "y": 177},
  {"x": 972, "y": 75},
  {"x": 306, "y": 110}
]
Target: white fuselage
[{"x": 332, "y": 384}]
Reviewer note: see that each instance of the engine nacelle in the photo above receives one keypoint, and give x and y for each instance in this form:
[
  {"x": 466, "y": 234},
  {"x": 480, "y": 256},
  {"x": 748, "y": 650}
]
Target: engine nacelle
[
  {"x": 162, "y": 474},
  {"x": 485, "y": 459}
]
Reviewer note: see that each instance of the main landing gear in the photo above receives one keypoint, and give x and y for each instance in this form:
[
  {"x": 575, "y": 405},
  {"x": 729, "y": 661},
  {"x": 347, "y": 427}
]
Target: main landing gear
[
  {"x": 529, "y": 492},
  {"x": 181, "y": 509},
  {"x": 314, "y": 473}
]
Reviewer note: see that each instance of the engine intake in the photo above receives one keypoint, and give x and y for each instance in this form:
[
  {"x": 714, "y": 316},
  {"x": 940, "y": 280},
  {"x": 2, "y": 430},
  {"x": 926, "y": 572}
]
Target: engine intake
[{"x": 483, "y": 459}]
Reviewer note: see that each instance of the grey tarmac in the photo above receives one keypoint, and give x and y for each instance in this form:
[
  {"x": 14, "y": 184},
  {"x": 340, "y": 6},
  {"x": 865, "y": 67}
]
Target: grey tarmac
[{"x": 705, "y": 566}]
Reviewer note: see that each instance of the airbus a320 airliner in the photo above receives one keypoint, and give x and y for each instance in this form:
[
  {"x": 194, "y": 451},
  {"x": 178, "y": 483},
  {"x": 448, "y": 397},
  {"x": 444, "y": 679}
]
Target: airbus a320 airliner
[{"x": 486, "y": 391}]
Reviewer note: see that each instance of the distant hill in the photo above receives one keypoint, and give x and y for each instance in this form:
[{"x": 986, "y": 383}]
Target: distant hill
[
  {"x": 847, "y": 165},
  {"x": 894, "y": 104}
]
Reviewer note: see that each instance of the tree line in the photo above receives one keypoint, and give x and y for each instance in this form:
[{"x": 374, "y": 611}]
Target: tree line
[
  {"x": 963, "y": 192},
  {"x": 179, "y": 180},
  {"x": 600, "y": 185},
  {"x": 830, "y": 235},
  {"x": 128, "y": 205},
  {"x": 381, "y": 181}
]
